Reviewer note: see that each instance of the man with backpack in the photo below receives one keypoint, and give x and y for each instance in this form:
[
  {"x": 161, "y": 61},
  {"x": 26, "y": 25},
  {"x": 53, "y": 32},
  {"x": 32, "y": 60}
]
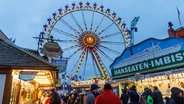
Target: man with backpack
[{"x": 148, "y": 96}]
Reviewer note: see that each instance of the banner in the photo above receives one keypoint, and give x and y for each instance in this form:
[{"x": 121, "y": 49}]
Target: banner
[{"x": 61, "y": 64}]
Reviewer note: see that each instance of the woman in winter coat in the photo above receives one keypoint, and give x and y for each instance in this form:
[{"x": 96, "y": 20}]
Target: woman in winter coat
[
  {"x": 176, "y": 96},
  {"x": 72, "y": 100},
  {"x": 107, "y": 97}
]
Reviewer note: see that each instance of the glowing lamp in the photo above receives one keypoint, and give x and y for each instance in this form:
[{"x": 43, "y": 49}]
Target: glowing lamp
[
  {"x": 123, "y": 26},
  {"x": 108, "y": 11},
  {"x": 87, "y": 3},
  {"x": 90, "y": 40},
  {"x": 49, "y": 21}
]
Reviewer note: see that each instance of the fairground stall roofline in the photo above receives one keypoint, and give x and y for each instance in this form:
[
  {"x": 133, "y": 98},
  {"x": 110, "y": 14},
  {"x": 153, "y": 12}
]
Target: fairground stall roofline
[
  {"x": 149, "y": 56},
  {"x": 17, "y": 58}
]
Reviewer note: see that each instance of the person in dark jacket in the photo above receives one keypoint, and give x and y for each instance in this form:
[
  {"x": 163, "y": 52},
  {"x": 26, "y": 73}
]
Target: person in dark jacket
[
  {"x": 134, "y": 97},
  {"x": 141, "y": 99},
  {"x": 157, "y": 96},
  {"x": 72, "y": 99},
  {"x": 176, "y": 96},
  {"x": 65, "y": 98},
  {"x": 55, "y": 98},
  {"x": 124, "y": 97},
  {"x": 92, "y": 94}
]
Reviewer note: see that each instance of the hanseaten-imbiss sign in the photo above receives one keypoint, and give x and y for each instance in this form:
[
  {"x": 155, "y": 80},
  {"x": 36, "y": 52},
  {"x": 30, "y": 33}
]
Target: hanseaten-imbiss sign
[
  {"x": 152, "y": 59},
  {"x": 156, "y": 64}
]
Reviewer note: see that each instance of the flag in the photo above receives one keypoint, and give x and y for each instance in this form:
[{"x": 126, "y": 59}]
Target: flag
[
  {"x": 14, "y": 41},
  {"x": 76, "y": 77},
  {"x": 178, "y": 15},
  {"x": 61, "y": 64},
  {"x": 80, "y": 77},
  {"x": 178, "y": 11},
  {"x": 134, "y": 22}
]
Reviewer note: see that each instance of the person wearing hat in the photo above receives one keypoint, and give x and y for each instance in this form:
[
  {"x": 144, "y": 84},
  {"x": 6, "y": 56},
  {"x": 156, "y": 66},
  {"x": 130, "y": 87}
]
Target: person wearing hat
[
  {"x": 107, "y": 97},
  {"x": 92, "y": 94},
  {"x": 176, "y": 96}
]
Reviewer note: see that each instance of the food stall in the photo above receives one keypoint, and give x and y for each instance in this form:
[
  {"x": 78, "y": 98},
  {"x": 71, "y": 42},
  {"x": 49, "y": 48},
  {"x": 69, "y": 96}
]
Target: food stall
[{"x": 151, "y": 63}]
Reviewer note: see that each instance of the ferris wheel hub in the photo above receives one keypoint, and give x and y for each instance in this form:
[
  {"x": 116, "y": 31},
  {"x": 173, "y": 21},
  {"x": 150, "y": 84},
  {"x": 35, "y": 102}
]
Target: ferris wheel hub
[{"x": 89, "y": 39}]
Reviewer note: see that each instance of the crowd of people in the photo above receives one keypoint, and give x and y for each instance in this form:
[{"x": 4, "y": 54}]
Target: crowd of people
[
  {"x": 105, "y": 95},
  {"x": 152, "y": 97}
]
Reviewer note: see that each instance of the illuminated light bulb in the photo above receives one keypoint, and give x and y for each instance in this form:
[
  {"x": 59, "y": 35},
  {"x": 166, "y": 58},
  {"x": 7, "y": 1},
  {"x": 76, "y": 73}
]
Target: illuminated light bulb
[
  {"x": 127, "y": 32},
  {"x": 60, "y": 11},
  {"x": 128, "y": 40},
  {"x": 108, "y": 11},
  {"x": 49, "y": 21},
  {"x": 123, "y": 26},
  {"x": 54, "y": 16},
  {"x": 80, "y": 5},
  {"x": 73, "y": 5},
  {"x": 101, "y": 8},
  {"x": 113, "y": 15},
  {"x": 119, "y": 20},
  {"x": 94, "y": 5},
  {"x": 87, "y": 4}
]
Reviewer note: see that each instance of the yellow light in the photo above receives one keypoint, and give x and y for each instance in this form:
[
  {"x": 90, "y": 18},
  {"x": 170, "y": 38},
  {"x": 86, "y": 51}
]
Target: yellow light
[
  {"x": 128, "y": 40},
  {"x": 43, "y": 81}
]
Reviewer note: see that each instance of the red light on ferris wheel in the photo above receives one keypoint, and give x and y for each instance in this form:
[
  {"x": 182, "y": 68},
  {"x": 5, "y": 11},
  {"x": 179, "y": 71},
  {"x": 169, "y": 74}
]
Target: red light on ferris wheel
[{"x": 89, "y": 39}]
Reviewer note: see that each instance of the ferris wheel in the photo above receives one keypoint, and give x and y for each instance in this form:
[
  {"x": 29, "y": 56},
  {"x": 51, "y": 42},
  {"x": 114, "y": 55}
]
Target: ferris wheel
[{"x": 90, "y": 37}]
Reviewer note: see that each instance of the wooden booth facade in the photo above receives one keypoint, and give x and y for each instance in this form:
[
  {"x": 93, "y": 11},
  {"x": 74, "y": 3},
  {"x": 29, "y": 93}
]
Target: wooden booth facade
[{"x": 22, "y": 72}]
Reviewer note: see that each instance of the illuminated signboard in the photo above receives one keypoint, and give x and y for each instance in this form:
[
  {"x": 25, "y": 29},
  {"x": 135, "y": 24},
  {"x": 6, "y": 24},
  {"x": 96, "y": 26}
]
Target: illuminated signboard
[
  {"x": 27, "y": 75},
  {"x": 151, "y": 55}
]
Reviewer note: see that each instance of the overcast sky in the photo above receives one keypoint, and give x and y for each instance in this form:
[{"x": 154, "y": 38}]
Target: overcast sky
[{"x": 24, "y": 19}]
